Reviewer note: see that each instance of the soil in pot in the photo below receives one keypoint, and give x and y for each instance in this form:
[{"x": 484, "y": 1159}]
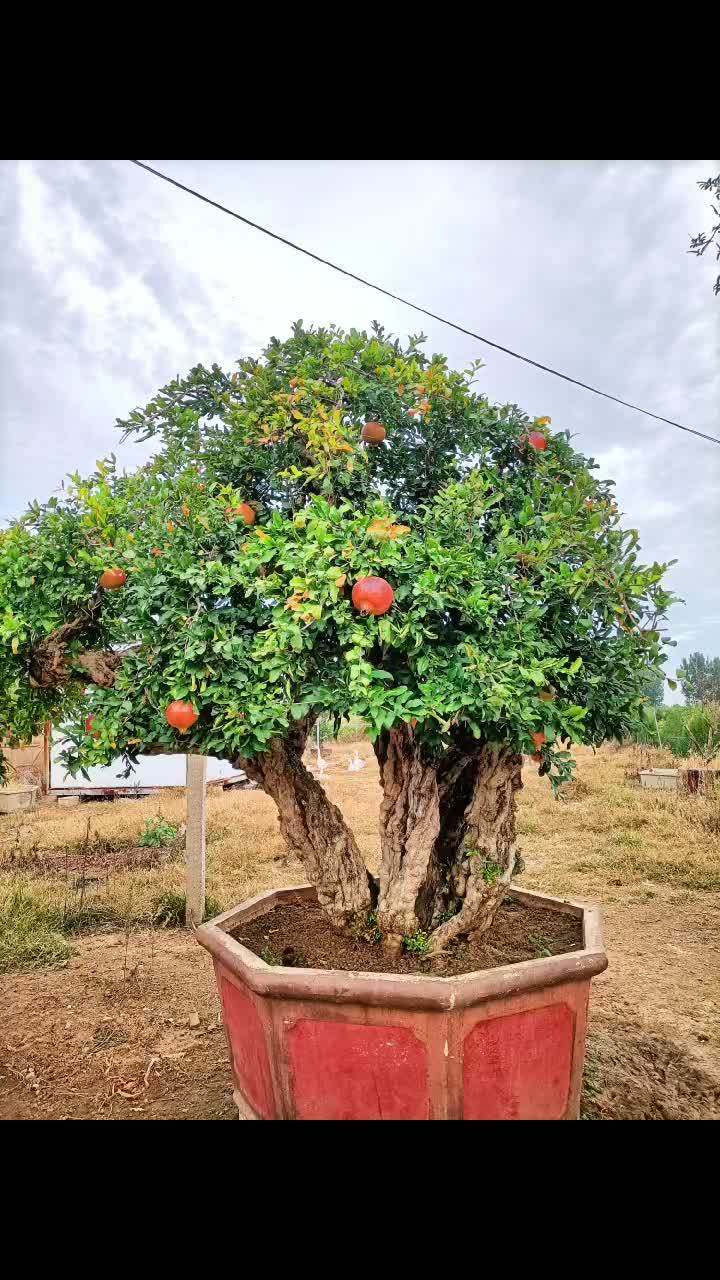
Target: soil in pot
[{"x": 300, "y": 935}]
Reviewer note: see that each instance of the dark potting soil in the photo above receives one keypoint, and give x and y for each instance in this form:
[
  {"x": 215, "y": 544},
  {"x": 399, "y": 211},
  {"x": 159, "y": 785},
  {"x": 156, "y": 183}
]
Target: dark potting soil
[{"x": 301, "y": 936}]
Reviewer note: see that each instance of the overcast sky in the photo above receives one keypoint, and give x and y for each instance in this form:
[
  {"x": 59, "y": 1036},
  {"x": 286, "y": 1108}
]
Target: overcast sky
[{"x": 113, "y": 282}]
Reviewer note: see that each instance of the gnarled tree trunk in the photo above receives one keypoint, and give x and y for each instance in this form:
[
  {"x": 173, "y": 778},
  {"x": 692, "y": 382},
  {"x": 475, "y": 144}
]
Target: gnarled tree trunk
[
  {"x": 314, "y": 829},
  {"x": 481, "y": 854},
  {"x": 448, "y": 837},
  {"x": 409, "y": 826}
]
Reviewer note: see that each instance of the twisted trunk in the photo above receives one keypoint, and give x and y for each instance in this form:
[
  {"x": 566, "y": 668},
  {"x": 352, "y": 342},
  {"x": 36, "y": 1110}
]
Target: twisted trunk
[
  {"x": 51, "y": 666},
  {"x": 480, "y": 859},
  {"x": 409, "y": 826},
  {"x": 448, "y": 837},
  {"x": 314, "y": 829}
]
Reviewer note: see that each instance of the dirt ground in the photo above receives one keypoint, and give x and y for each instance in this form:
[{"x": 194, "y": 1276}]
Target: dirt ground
[{"x": 128, "y": 1027}]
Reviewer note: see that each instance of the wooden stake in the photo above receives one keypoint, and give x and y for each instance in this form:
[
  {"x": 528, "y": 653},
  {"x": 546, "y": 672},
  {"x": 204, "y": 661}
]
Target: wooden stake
[{"x": 196, "y": 795}]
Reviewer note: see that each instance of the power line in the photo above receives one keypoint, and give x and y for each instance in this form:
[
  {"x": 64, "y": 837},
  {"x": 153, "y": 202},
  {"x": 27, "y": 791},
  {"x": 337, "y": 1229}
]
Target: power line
[{"x": 415, "y": 306}]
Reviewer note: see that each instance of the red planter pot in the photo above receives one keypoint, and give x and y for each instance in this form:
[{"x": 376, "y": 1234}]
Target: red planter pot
[{"x": 319, "y": 1044}]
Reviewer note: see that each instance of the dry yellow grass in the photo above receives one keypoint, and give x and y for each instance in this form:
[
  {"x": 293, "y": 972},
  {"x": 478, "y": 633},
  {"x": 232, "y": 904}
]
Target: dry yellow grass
[
  {"x": 245, "y": 852},
  {"x": 603, "y": 833}
]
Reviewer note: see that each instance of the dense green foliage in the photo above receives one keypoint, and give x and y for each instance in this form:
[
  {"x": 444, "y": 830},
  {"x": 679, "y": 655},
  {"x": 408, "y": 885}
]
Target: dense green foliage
[
  {"x": 699, "y": 678},
  {"x": 686, "y": 731},
  {"x": 512, "y": 574}
]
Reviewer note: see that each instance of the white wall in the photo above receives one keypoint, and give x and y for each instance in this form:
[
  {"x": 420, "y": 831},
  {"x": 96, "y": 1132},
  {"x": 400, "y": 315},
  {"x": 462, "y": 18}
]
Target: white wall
[{"x": 152, "y": 771}]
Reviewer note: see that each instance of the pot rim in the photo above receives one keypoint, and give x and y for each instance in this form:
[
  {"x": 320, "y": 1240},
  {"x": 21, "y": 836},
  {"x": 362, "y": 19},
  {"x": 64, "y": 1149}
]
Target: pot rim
[{"x": 401, "y": 990}]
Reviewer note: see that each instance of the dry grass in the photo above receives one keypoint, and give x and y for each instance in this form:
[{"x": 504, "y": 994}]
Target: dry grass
[
  {"x": 609, "y": 832},
  {"x": 603, "y": 831},
  {"x": 50, "y": 858}
]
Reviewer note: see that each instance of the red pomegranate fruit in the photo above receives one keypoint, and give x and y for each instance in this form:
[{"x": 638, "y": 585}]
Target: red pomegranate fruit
[
  {"x": 372, "y": 595},
  {"x": 181, "y": 715},
  {"x": 112, "y": 579},
  {"x": 373, "y": 433}
]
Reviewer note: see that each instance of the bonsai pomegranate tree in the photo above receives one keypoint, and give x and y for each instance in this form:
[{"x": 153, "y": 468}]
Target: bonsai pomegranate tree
[{"x": 342, "y": 526}]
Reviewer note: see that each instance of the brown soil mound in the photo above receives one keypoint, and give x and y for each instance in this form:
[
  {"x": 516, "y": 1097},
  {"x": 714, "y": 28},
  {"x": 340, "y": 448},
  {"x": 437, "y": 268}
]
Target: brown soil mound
[{"x": 301, "y": 936}]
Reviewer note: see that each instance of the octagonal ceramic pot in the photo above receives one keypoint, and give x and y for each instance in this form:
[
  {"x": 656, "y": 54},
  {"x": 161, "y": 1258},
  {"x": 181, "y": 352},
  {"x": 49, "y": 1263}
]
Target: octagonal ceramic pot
[{"x": 320, "y": 1044}]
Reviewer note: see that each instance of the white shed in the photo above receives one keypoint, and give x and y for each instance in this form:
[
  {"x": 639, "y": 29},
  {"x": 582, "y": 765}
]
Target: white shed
[{"x": 151, "y": 774}]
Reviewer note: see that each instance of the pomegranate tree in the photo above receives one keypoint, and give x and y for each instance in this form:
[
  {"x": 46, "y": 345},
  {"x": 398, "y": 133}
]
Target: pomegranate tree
[{"x": 469, "y": 591}]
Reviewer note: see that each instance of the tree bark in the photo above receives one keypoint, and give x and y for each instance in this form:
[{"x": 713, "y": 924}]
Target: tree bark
[
  {"x": 409, "y": 826},
  {"x": 50, "y": 666},
  {"x": 481, "y": 855},
  {"x": 448, "y": 837},
  {"x": 314, "y": 829}
]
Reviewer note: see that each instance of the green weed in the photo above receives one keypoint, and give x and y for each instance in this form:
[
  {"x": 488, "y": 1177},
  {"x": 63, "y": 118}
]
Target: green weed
[
  {"x": 158, "y": 834},
  {"x": 417, "y": 944},
  {"x": 168, "y": 910}
]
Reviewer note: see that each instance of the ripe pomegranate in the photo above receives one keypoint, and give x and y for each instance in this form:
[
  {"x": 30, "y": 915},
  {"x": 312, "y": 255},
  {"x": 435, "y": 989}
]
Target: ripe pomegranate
[
  {"x": 112, "y": 579},
  {"x": 181, "y": 715},
  {"x": 372, "y": 595},
  {"x": 373, "y": 433},
  {"x": 90, "y": 727},
  {"x": 538, "y": 739},
  {"x": 537, "y": 440},
  {"x": 245, "y": 512}
]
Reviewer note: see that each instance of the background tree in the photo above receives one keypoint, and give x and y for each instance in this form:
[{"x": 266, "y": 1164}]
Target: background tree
[
  {"x": 701, "y": 242},
  {"x": 655, "y": 690},
  {"x": 699, "y": 678},
  {"x": 517, "y": 617}
]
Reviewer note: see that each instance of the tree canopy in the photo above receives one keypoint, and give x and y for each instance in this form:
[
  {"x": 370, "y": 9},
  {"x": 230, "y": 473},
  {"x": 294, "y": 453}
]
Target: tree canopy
[
  {"x": 520, "y": 604},
  {"x": 699, "y": 677}
]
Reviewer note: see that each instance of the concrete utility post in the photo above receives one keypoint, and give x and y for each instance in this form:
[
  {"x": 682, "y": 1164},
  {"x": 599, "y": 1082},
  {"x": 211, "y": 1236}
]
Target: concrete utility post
[{"x": 196, "y": 799}]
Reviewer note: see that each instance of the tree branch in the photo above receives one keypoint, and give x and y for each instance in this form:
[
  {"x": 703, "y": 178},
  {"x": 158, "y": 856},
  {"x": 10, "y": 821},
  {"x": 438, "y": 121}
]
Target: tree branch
[
  {"x": 50, "y": 666},
  {"x": 313, "y": 827}
]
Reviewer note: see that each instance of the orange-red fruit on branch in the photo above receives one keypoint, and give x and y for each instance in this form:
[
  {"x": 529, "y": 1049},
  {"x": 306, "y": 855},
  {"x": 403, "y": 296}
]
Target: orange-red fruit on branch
[
  {"x": 181, "y": 715},
  {"x": 245, "y": 512},
  {"x": 112, "y": 579},
  {"x": 373, "y": 433},
  {"x": 537, "y": 440},
  {"x": 90, "y": 727},
  {"x": 538, "y": 739},
  {"x": 372, "y": 595}
]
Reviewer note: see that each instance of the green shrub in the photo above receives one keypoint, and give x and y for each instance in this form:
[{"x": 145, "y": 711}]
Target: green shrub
[
  {"x": 686, "y": 731},
  {"x": 158, "y": 834}
]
